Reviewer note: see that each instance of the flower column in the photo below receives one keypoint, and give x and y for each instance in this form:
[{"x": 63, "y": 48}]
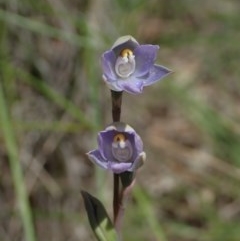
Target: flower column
[{"x": 127, "y": 66}]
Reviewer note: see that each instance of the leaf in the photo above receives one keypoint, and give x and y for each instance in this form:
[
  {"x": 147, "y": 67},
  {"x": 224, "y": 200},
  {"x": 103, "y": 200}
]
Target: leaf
[{"x": 98, "y": 218}]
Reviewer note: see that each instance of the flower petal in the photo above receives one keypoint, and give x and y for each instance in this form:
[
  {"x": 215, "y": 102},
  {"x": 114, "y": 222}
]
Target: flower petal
[
  {"x": 119, "y": 167},
  {"x": 105, "y": 148},
  {"x": 138, "y": 162},
  {"x": 145, "y": 55},
  {"x": 101, "y": 145},
  {"x": 156, "y": 73},
  {"x": 108, "y": 66},
  {"x": 138, "y": 143},
  {"x": 96, "y": 157},
  {"x": 112, "y": 85},
  {"x": 131, "y": 85}
]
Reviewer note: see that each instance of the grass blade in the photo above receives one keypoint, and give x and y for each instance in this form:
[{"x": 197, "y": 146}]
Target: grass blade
[
  {"x": 43, "y": 29},
  {"x": 148, "y": 212},
  {"x": 17, "y": 175}
]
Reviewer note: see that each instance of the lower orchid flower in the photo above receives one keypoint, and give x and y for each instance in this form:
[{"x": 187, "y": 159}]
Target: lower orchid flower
[
  {"x": 120, "y": 149},
  {"x": 129, "y": 66}
]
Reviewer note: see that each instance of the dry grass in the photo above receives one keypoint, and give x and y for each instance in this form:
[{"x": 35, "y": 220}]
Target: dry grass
[{"x": 189, "y": 188}]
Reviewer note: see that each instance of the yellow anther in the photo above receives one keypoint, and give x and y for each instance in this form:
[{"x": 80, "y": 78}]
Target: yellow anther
[
  {"x": 126, "y": 53},
  {"x": 119, "y": 138}
]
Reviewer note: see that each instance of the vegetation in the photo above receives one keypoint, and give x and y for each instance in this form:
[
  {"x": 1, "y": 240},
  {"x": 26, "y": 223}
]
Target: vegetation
[{"x": 51, "y": 106}]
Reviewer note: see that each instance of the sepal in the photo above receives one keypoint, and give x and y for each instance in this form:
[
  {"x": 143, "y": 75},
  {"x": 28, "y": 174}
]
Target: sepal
[{"x": 127, "y": 178}]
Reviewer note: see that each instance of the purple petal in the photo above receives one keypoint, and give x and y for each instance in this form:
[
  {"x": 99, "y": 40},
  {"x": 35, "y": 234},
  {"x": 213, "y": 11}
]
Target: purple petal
[
  {"x": 105, "y": 148},
  {"x": 138, "y": 162},
  {"x": 101, "y": 145},
  {"x": 138, "y": 143},
  {"x": 108, "y": 62},
  {"x": 132, "y": 85},
  {"x": 145, "y": 55},
  {"x": 112, "y": 85},
  {"x": 156, "y": 73},
  {"x": 96, "y": 157},
  {"x": 117, "y": 167}
]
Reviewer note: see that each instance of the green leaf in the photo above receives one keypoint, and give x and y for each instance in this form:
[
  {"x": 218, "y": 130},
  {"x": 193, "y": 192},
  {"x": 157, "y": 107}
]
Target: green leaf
[{"x": 98, "y": 218}]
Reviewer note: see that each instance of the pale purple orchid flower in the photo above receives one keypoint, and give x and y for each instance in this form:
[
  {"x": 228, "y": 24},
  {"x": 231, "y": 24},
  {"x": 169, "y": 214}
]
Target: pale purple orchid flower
[
  {"x": 129, "y": 66},
  {"x": 120, "y": 149}
]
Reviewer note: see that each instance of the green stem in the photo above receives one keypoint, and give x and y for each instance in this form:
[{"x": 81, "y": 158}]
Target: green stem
[{"x": 17, "y": 175}]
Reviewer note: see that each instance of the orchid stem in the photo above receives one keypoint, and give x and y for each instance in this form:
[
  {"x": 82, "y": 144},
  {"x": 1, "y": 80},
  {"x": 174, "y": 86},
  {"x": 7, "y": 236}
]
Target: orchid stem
[
  {"x": 116, "y": 105},
  {"x": 124, "y": 196},
  {"x": 116, "y": 116},
  {"x": 115, "y": 195}
]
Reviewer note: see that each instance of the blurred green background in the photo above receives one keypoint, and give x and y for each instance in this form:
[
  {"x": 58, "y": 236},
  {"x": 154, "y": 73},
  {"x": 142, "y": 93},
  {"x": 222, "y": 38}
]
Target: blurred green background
[{"x": 53, "y": 101}]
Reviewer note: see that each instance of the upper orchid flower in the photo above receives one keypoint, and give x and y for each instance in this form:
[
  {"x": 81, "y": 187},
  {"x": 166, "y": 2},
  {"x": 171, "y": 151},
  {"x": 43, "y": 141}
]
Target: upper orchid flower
[
  {"x": 120, "y": 149},
  {"x": 130, "y": 66}
]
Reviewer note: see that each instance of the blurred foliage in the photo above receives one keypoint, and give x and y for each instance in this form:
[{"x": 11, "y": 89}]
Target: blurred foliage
[{"x": 51, "y": 79}]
